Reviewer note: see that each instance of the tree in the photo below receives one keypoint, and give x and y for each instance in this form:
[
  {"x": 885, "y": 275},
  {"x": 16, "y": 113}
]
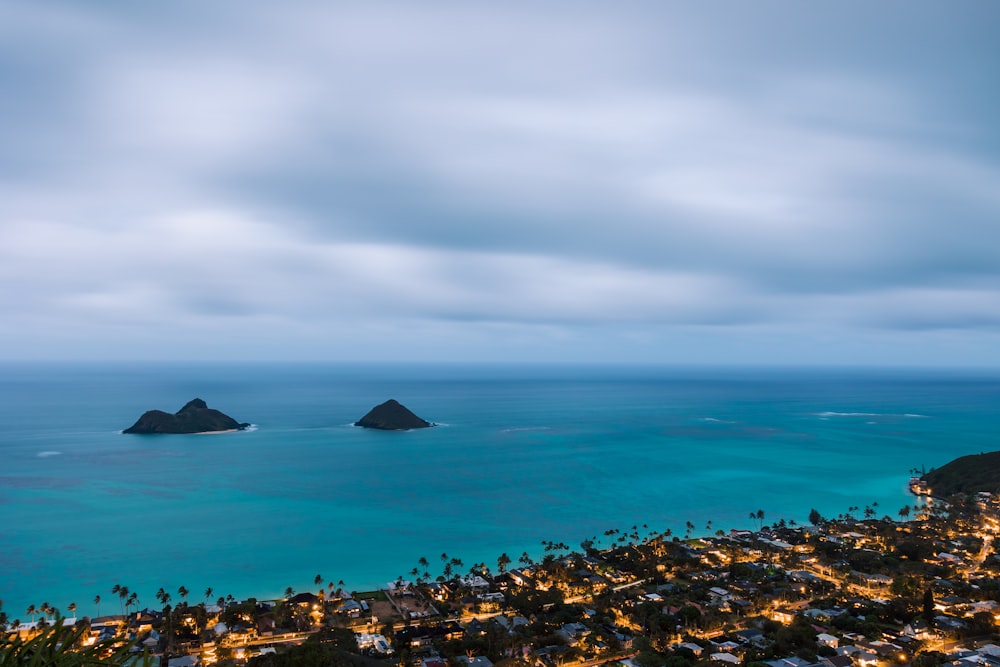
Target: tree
[
  {"x": 502, "y": 562},
  {"x": 97, "y": 601},
  {"x": 289, "y": 592},
  {"x": 318, "y": 580},
  {"x": 132, "y": 601},
  {"x": 928, "y": 606},
  {"x": 61, "y": 645},
  {"x": 183, "y": 592},
  {"x": 904, "y": 513},
  {"x": 208, "y": 593},
  {"x": 123, "y": 593},
  {"x": 815, "y": 518}
]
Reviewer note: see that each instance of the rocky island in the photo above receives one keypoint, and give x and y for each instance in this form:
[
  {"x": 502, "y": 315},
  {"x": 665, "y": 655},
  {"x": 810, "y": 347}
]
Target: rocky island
[
  {"x": 195, "y": 417},
  {"x": 391, "y": 416}
]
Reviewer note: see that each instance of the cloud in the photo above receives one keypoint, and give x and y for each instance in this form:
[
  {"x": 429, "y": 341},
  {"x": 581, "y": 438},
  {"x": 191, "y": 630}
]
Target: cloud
[{"x": 459, "y": 174}]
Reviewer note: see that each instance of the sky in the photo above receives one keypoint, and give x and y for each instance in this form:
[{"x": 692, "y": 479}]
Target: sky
[{"x": 645, "y": 182}]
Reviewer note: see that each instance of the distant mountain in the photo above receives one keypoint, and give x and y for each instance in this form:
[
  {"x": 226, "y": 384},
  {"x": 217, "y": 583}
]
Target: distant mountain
[
  {"x": 966, "y": 474},
  {"x": 195, "y": 417},
  {"x": 392, "y": 416}
]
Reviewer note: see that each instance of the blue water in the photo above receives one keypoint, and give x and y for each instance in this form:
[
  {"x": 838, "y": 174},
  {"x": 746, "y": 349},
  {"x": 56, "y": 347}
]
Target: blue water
[{"x": 523, "y": 454}]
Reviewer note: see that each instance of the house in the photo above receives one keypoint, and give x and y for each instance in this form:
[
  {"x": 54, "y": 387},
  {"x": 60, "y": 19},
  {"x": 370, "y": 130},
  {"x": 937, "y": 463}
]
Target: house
[
  {"x": 185, "y": 661},
  {"x": 475, "y": 583},
  {"x": 373, "y": 642},
  {"x": 399, "y": 587},
  {"x": 691, "y": 646},
  {"x": 304, "y": 599},
  {"x": 478, "y": 661},
  {"x": 725, "y": 646},
  {"x": 866, "y": 659},
  {"x": 725, "y": 657},
  {"x": 750, "y": 636},
  {"x": 521, "y": 576},
  {"x": 350, "y": 608},
  {"x": 791, "y": 661},
  {"x": 510, "y": 623},
  {"x": 837, "y": 661},
  {"x": 783, "y": 615},
  {"x": 573, "y": 632}
]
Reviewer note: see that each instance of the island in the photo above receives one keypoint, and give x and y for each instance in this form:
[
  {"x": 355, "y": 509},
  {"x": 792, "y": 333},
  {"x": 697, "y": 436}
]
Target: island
[
  {"x": 392, "y": 416},
  {"x": 194, "y": 417},
  {"x": 974, "y": 473}
]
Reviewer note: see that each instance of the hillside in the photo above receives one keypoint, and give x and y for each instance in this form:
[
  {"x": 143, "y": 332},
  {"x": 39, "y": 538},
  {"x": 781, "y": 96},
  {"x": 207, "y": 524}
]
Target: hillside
[{"x": 966, "y": 474}]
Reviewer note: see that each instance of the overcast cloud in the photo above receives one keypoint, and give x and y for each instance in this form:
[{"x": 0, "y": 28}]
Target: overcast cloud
[{"x": 767, "y": 182}]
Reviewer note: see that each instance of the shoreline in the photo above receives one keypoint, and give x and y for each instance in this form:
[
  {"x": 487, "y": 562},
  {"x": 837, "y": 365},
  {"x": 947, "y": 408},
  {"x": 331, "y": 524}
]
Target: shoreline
[{"x": 548, "y": 456}]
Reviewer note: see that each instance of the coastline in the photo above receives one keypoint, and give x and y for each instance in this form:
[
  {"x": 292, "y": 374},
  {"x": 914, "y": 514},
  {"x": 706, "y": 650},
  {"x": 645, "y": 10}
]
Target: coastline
[{"x": 553, "y": 455}]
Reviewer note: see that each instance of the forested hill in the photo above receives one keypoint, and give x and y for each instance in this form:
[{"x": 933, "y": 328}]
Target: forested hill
[{"x": 966, "y": 474}]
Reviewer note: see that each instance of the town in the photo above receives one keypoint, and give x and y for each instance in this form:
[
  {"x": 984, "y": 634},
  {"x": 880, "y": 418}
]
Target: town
[{"x": 921, "y": 588}]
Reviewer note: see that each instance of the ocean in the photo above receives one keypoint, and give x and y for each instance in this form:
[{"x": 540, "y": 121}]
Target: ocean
[{"x": 522, "y": 454}]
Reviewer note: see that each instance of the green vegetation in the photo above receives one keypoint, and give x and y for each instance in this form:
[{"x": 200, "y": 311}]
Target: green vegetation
[
  {"x": 327, "y": 648},
  {"x": 966, "y": 474},
  {"x": 61, "y": 645},
  {"x": 378, "y": 596}
]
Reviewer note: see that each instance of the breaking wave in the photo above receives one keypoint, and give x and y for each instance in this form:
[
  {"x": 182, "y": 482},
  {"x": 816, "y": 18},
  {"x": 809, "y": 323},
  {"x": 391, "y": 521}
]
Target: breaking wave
[{"x": 869, "y": 415}]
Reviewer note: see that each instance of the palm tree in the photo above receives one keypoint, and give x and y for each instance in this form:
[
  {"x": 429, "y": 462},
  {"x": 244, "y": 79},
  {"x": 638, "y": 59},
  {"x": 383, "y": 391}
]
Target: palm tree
[
  {"x": 163, "y": 596},
  {"x": 122, "y": 592},
  {"x": 208, "y": 593},
  {"x": 31, "y": 611},
  {"x": 133, "y": 601},
  {"x": 502, "y": 562},
  {"x": 71, "y": 607},
  {"x": 183, "y": 592},
  {"x": 289, "y": 592},
  {"x": 318, "y": 580},
  {"x": 97, "y": 601}
]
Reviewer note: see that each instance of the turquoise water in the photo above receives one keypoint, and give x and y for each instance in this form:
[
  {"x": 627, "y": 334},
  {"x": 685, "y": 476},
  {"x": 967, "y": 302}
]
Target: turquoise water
[{"x": 523, "y": 454}]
